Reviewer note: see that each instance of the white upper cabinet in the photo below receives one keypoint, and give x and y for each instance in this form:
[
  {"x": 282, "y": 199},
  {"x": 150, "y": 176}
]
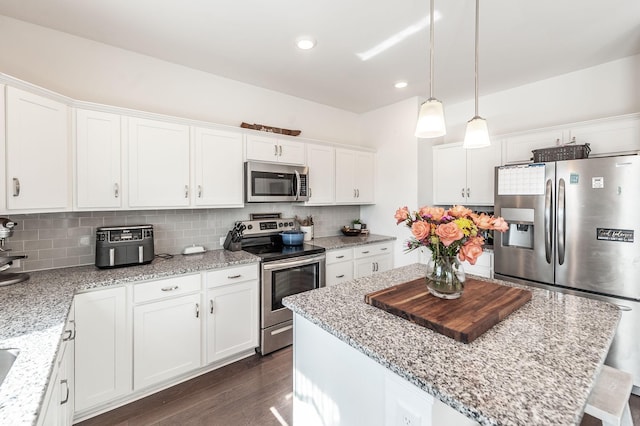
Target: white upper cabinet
[
  {"x": 38, "y": 173},
  {"x": 464, "y": 176},
  {"x": 619, "y": 134},
  {"x": 218, "y": 169},
  {"x": 158, "y": 164},
  {"x": 517, "y": 148},
  {"x": 321, "y": 163},
  {"x": 355, "y": 176},
  {"x": 266, "y": 148},
  {"x": 98, "y": 160}
]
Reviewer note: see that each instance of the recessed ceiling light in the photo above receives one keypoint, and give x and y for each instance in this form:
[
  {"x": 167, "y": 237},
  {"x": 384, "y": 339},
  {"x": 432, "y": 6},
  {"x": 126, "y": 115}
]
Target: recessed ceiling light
[
  {"x": 306, "y": 43},
  {"x": 401, "y": 85}
]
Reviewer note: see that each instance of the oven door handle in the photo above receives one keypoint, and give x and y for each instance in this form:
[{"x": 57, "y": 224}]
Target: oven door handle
[{"x": 282, "y": 265}]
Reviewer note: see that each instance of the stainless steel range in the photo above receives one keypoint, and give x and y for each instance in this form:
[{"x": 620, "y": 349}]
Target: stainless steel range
[{"x": 285, "y": 270}]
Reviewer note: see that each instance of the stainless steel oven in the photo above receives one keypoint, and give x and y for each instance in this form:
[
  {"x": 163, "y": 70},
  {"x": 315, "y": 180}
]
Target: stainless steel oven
[
  {"x": 282, "y": 278},
  {"x": 285, "y": 270}
]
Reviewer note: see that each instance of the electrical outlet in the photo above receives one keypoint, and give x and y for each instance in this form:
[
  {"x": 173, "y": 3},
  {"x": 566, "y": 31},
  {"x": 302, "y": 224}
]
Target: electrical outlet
[
  {"x": 85, "y": 241},
  {"x": 406, "y": 417},
  {"x": 222, "y": 241}
]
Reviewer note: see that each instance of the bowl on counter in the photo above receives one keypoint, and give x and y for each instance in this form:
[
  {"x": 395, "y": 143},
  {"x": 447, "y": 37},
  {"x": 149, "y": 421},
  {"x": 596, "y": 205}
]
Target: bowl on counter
[
  {"x": 350, "y": 232},
  {"x": 292, "y": 238}
]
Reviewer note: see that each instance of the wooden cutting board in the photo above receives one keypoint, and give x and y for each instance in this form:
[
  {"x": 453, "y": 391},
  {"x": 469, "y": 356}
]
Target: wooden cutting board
[{"x": 482, "y": 305}]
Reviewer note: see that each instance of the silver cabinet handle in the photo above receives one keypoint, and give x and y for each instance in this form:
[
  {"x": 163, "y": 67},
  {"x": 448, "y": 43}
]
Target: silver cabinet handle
[
  {"x": 280, "y": 150},
  {"x": 383, "y": 248},
  {"x": 365, "y": 252},
  {"x": 71, "y": 333},
  {"x": 373, "y": 266},
  {"x": 199, "y": 191},
  {"x": 233, "y": 277},
  {"x": 197, "y": 310},
  {"x": 468, "y": 193},
  {"x": 358, "y": 192},
  {"x": 211, "y": 306},
  {"x": 16, "y": 187},
  {"x": 172, "y": 288},
  {"x": 354, "y": 193},
  {"x": 339, "y": 257},
  {"x": 462, "y": 192},
  {"x": 275, "y": 147},
  {"x": 186, "y": 191},
  {"x": 66, "y": 398},
  {"x": 116, "y": 190},
  {"x": 340, "y": 276}
]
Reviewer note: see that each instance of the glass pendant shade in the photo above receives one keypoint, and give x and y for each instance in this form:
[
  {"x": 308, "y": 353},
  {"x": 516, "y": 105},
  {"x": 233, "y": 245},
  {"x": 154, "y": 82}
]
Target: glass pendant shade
[
  {"x": 477, "y": 134},
  {"x": 431, "y": 120}
]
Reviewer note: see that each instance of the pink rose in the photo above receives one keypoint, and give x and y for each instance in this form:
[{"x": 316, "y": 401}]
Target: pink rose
[
  {"x": 482, "y": 221},
  {"x": 499, "y": 224},
  {"x": 420, "y": 230},
  {"x": 470, "y": 251},
  {"x": 435, "y": 213},
  {"x": 402, "y": 214},
  {"x": 459, "y": 211},
  {"x": 449, "y": 233}
]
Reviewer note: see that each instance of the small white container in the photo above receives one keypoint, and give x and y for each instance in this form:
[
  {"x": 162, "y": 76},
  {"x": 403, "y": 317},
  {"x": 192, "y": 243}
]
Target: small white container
[{"x": 308, "y": 232}]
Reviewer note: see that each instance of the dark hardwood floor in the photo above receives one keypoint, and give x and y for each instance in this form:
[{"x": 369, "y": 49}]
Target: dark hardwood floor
[{"x": 254, "y": 391}]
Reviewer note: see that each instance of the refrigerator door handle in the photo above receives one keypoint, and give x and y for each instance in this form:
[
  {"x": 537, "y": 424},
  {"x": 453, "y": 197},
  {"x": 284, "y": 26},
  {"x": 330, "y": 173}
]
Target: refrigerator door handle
[
  {"x": 561, "y": 221},
  {"x": 547, "y": 220}
]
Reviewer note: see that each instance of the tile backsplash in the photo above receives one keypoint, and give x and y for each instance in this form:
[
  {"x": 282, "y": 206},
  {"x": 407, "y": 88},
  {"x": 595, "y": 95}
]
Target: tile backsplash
[{"x": 57, "y": 240}]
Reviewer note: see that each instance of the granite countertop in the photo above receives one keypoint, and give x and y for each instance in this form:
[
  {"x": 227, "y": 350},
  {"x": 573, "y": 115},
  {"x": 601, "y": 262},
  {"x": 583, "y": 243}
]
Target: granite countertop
[
  {"x": 33, "y": 315},
  {"x": 342, "y": 241},
  {"x": 536, "y": 367}
]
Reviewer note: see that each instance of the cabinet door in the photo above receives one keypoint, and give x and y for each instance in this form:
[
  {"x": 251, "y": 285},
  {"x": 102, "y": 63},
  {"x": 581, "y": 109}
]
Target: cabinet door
[
  {"x": 50, "y": 414},
  {"x": 167, "y": 339},
  {"x": 98, "y": 162},
  {"x": 158, "y": 164},
  {"x": 345, "y": 176},
  {"x": 262, "y": 148},
  {"x": 321, "y": 163},
  {"x": 609, "y": 136},
  {"x": 218, "y": 168},
  {"x": 66, "y": 372},
  {"x": 363, "y": 267},
  {"x": 365, "y": 177},
  {"x": 481, "y": 163},
  {"x": 449, "y": 174},
  {"x": 232, "y": 319},
  {"x": 38, "y": 166},
  {"x": 291, "y": 152},
  {"x": 517, "y": 149},
  {"x": 383, "y": 263},
  {"x": 102, "y": 347}
]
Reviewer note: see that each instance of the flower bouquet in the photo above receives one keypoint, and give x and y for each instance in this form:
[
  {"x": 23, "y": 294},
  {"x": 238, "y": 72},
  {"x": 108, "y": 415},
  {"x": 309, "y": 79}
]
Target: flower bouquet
[{"x": 452, "y": 236}]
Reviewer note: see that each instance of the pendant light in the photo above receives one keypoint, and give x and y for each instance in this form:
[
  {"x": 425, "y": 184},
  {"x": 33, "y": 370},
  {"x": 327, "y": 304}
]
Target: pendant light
[
  {"x": 477, "y": 134},
  {"x": 431, "y": 117}
]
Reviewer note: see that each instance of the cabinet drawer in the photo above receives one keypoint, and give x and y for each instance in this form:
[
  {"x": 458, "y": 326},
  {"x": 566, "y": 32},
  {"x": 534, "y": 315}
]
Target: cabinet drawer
[
  {"x": 341, "y": 255},
  {"x": 232, "y": 275},
  {"x": 373, "y": 249},
  {"x": 339, "y": 272},
  {"x": 170, "y": 287}
]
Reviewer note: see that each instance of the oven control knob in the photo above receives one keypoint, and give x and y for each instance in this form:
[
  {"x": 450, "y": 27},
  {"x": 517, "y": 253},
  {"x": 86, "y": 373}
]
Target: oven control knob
[
  {"x": 290, "y": 223},
  {"x": 250, "y": 227},
  {"x": 280, "y": 224}
]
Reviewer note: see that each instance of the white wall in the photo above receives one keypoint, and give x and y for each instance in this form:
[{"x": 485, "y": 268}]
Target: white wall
[
  {"x": 89, "y": 71},
  {"x": 606, "y": 90},
  {"x": 391, "y": 131}
]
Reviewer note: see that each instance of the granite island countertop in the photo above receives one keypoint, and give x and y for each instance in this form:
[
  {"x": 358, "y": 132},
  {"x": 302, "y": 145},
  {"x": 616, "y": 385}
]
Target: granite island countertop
[
  {"x": 342, "y": 241},
  {"x": 33, "y": 315},
  {"x": 536, "y": 367}
]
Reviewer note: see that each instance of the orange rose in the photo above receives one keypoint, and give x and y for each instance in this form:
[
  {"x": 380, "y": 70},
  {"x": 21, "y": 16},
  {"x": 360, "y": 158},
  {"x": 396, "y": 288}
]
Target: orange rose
[
  {"x": 449, "y": 233},
  {"x": 420, "y": 230},
  {"x": 470, "y": 251},
  {"x": 435, "y": 213},
  {"x": 459, "y": 211},
  {"x": 499, "y": 224},
  {"x": 483, "y": 221},
  {"x": 402, "y": 214}
]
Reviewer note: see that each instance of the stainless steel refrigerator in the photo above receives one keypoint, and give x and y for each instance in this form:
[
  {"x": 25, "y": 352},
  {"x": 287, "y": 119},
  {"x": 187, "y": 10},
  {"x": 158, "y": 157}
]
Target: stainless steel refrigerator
[{"x": 572, "y": 227}]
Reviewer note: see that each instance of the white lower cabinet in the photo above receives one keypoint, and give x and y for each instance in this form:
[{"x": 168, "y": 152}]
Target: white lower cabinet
[
  {"x": 339, "y": 266},
  {"x": 372, "y": 258},
  {"x": 167, "y": 330},
  {"x": 483, "y": 266},
  {"x": 102, "y": 347},
  {"x": 232, "y": 312}
]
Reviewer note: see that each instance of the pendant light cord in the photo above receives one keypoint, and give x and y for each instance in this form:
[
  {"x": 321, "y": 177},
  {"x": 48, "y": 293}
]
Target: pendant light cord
[
  {"x": 431, "y": 33},
  {"x": 477, "y": 35}
]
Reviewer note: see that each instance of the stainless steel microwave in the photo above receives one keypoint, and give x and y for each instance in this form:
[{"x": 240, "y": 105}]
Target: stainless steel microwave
[{"x": 273, "y": 182}]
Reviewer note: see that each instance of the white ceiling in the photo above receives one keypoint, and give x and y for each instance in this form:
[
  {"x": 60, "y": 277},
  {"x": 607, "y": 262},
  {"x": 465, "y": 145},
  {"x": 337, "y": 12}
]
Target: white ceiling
[{"x": 253, "y": 41}]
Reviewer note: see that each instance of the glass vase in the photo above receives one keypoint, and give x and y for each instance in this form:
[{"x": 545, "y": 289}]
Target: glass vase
[{"x": 445, "y": 277}]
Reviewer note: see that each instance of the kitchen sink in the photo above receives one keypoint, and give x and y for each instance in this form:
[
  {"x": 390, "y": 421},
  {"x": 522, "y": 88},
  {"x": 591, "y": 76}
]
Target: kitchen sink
[{"x": 7, "y": 357}]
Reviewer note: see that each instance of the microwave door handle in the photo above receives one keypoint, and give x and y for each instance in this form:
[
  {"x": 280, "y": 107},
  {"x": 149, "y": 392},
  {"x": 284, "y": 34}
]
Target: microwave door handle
[
  {"x": 547, "y": 220},
  {"x": 298, "y": 184}
]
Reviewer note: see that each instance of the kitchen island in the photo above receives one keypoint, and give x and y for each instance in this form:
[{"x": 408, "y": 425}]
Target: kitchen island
[{"x": 538, "y": 366}]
